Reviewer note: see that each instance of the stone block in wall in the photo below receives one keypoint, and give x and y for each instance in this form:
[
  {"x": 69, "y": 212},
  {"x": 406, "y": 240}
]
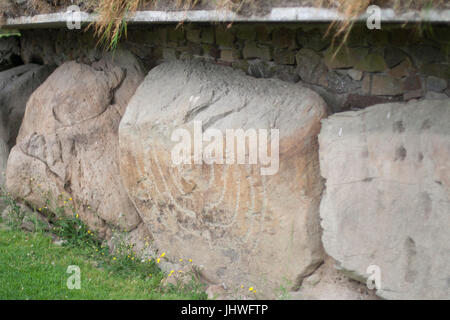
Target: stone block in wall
[
  {"x": 170, "y": 54},
  {"x": 263, "y": 33},
  {"x": 230, "y": 55},
  {"x": 311, "y": 68},
  {"x": 210, "y": 51},
  {"x": 157, "y": 36},
  {"x": 312, "y": 39},
  {"x": 425, "y": 54},
  {"x": 393, "y": 56},
  {"x": 284, "y": 38},
  {"x": 175, "y": 34},
  {"x": 241, "y": 65},
  {"x": 382, "y": 85},
  {"x": 373, "y": 62},
  {"x": 252, "y": 50},
  {"x": 224, "y": 38},
  {"x": 357, "y": 37},
  {"x": 436, "y": 84},
  {"x": 286, "y": 73},
  {"x": 355, "y": 74},
  {"x": 412, "y": 83},
  {"x": 402, "y": 70},
  {"x": 440, "y": 70},
  {"x": 207, "y": 35},
  {"x": 245, "y": 32},
  {"x": 193, "y": 35},
  {"x": 341, "y": 83},
  {"x": 414, "y": 94},
  {"x": 284, "y": 56},
  {"x": 377, "y": 38},
  {"x": 344, "y": 57},
  {"x": 403, "y": 37}
]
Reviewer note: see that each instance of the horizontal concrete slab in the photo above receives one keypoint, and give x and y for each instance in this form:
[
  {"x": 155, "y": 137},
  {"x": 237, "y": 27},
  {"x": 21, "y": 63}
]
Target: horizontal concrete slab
[{"x": 299, "y": 14}]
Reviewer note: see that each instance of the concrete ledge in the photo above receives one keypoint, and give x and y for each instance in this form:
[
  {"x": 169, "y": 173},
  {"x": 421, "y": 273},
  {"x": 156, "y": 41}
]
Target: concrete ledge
[{"x": 299, "y": 14}]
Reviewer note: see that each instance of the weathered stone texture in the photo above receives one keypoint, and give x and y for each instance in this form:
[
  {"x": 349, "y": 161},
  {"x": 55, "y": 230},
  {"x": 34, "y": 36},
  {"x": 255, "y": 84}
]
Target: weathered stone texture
[
  {"x": 67, "y": 144},
  {"x": 387, "y": 197},
  {"x": 241, "y": 226}
]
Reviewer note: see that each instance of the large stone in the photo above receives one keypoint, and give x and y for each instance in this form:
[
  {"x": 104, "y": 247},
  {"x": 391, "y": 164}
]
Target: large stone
[
  {"x": 387, "y": 198},
  {"x": 243, "y": 227},
  {"x": 9, "y": 52},
  {"x": 16, "y": 86},
  {"x": 67, "y": 147}
]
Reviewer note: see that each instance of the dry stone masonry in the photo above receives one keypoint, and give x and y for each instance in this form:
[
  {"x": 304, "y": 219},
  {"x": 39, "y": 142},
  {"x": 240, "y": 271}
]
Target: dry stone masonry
[{"x": 374, "y": 66}]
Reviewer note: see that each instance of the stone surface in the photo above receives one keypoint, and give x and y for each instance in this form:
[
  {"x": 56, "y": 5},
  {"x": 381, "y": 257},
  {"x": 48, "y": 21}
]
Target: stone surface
[
  {"x": 284, "y": 57},
  {"x": 16, "y": 86},
  {"x": 436, "y": 84},
  {"x": 373, "y": 62},
  {"x": 393, "y": 56},
  {"x": 335, "y": 58},
  {"x": 9, "y": 52},
  {"x": 386, "y": 201},
  {"x": 355, "y": 74},
  {"x": 67, "y": 145},
  {"x": 401, "y": 70},
  {"x": 252, "y": 50},
  {"x": 385, "y": 86},
  {"x": 310, "y": 67},
  {"x": 283, "y": 38},
  {"x": 243, "y": 227},
  {"x": 313, "y": 39},
  {"x": 328, "y": 283}
]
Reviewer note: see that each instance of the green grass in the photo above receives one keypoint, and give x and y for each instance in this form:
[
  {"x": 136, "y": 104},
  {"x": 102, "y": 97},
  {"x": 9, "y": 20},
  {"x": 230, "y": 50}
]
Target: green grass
[{"x": 32, "y": 267}]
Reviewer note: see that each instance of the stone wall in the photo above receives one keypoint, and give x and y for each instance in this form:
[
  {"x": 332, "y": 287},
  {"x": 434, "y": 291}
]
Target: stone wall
[{"x": 375, "y": 66}]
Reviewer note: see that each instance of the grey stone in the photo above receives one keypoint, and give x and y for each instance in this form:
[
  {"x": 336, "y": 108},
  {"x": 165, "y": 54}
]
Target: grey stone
[
  {"x": 393, "y": 56},
  {"x": 252, "y": 50},
  {"x": 436, "y": 84},
  {"x": 283, "y": 38},
  {"x": 386, "y": 198},
  {"x": 311, "y": 68},
  {"x": 16, "y": 86},
  {"x": 435, "y": 96},
  {"x": 355, "y": 74},
  {"x": 313, "y": 39}
]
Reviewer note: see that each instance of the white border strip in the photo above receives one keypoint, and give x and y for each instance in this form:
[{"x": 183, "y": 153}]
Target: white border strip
[{"x": 298, "y": 14}]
